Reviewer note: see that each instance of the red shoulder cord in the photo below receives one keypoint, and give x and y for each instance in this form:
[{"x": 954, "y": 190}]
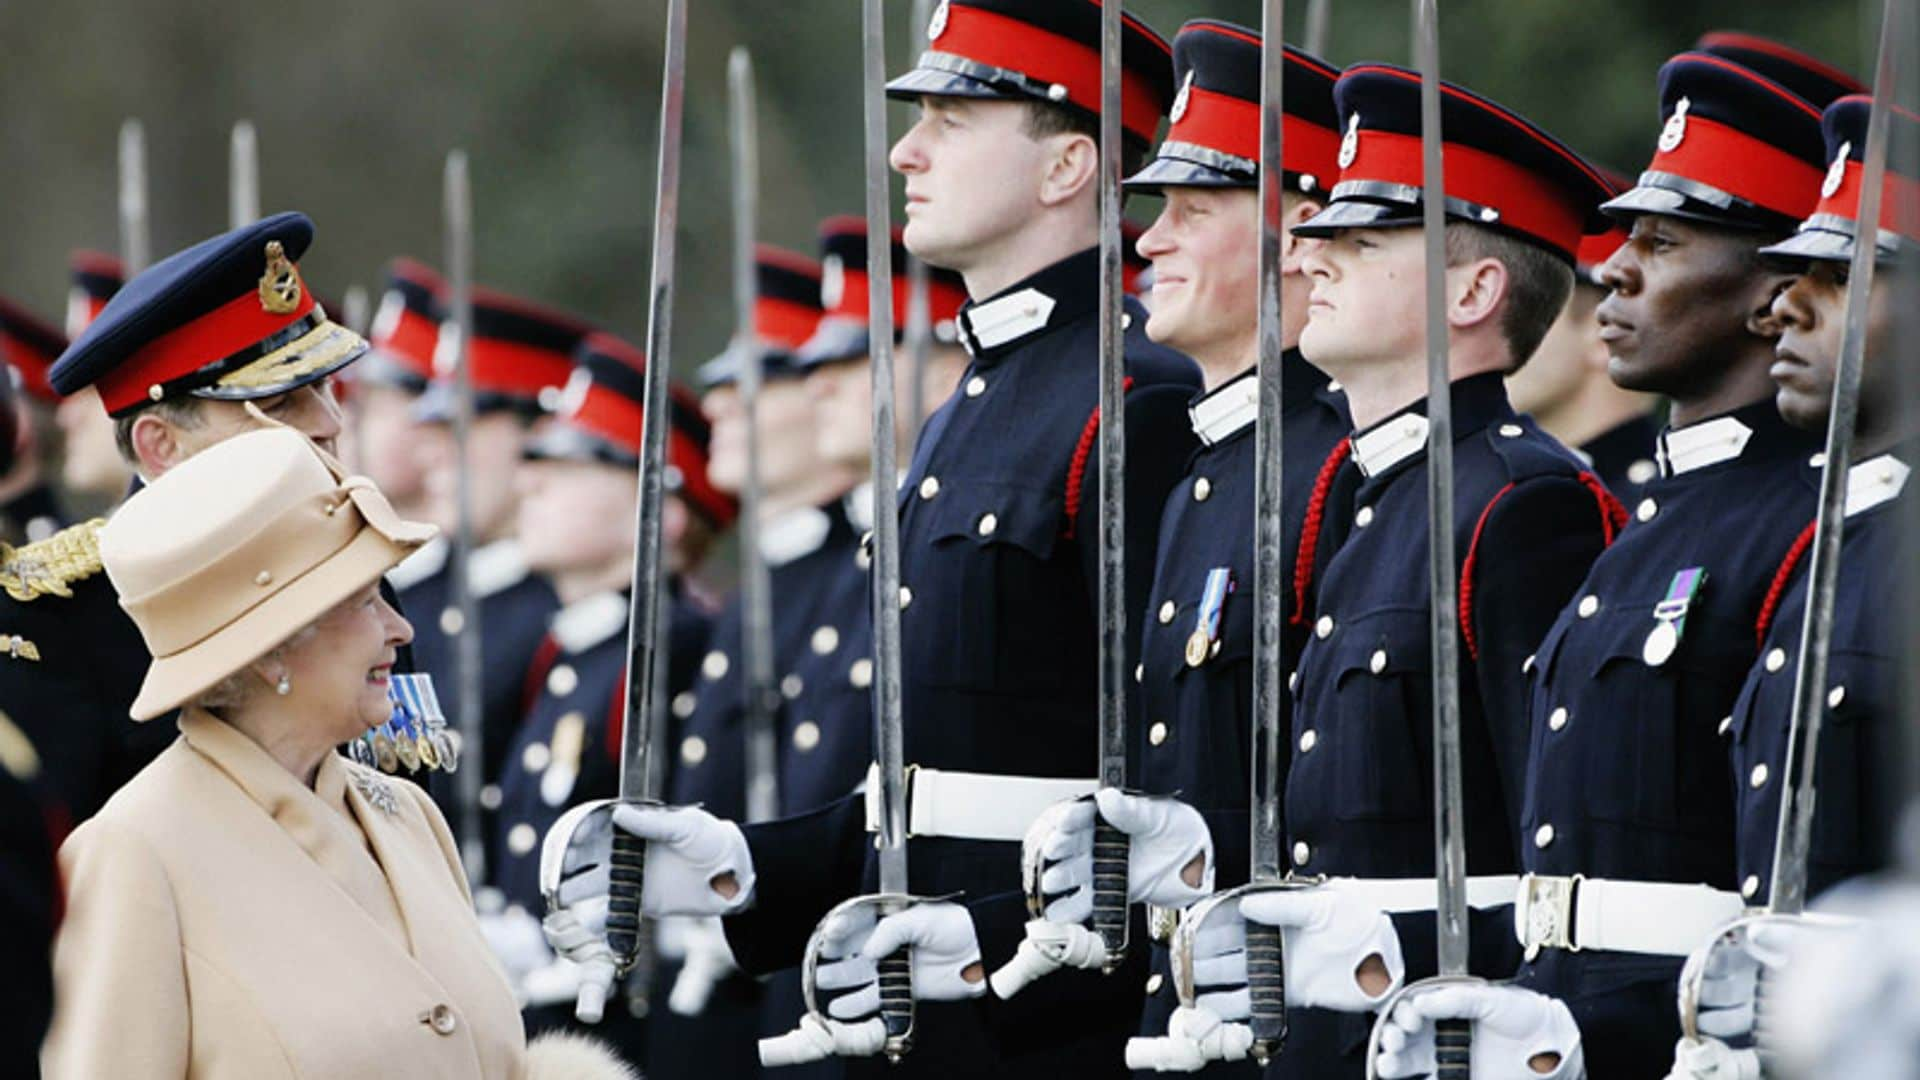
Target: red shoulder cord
[
  {"x": 1613, "y": 518},
  {"x": 1771, "y": 605},
  {"x": 1310, "y": 528},
  {"x": 1077, "y": 472},
  {"x": 543, "y": 658}
]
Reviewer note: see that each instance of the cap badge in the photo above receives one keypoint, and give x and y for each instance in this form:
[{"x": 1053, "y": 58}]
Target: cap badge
[
  {"x": 446, "y": 349},
  {"x": 1676, "y": 129},
  {"x": 833, "y": 281},
  {"x": 280, "y": 285},
  {"x": 1350, "y": 143},
  {"x": 573, "y": 396},
  {"x": 938, "y": 24},
  {"x": 1180, "y": 100},
  {"x": 1836, "y": 172}
]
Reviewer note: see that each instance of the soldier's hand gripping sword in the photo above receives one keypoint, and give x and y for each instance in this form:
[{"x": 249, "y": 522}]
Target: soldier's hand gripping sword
[
  {"x": 468, "y": 717},
  {"x": 1751, "y": 948},
  {"x": 243, "y": 176},
  {"x": 135, "y": 249}
]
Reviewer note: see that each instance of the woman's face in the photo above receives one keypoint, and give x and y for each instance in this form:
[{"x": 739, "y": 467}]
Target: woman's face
[{"x": 339, "y": 673}]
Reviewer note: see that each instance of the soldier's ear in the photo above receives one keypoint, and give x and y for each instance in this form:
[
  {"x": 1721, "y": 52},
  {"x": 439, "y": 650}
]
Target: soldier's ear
[
  {"x": 1293, "y": 249},
  {"x": 1073, "y": 167},
  {"x": 1761, "y": 320},
  {"x": 156, "y": 445}
]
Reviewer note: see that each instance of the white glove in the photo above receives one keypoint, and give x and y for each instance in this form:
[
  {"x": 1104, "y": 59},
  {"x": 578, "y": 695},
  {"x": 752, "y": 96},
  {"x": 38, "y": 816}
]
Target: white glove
[
  {"x": 944, "y": 945},
  {"x": 1327, "y": 937},
  {"x": 1195, "y": 1038},
  {"x": 706, "y": 961},
  {"x": 1048, "y": 947},
  {"x": 687, "y": 849},
  {"x": 1733, "y": 973},
  {"x": 1711, "y": 1059},
  {"x": 816, "y": 1040},
  {"x": 1510, "y": 1027},
  {"x": 516, "y": 941},
  {"x": 588, "y": 949},
  {"x": 1164, "y": 835}
]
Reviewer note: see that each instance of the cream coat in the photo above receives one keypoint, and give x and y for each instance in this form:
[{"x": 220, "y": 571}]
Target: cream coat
[{"x": 224, "y": 921}]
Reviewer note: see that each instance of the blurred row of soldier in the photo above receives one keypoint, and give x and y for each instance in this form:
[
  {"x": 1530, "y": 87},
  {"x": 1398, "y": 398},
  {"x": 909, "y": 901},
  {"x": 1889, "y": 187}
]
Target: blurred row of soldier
[{"x": 1641, "y": 374}]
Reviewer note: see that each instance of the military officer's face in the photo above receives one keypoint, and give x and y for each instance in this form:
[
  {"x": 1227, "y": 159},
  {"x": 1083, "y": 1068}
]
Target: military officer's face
[
  {"x": 1368, "y": 299},
  {"x": 1205, "y": 247},
  {"x": 92, "y": 460},
  {"x": 576, "y": 516},
  {"x": 975, "y": 179},
  {"x": 1812, "y": 312},
  {"x": 1687, "y": 301},
  {"x": 339, "y": 673},
  {"x": 387, "y": 438},
  {"x": 788, "y": 455},
  {"x": 493, "y": 450}
]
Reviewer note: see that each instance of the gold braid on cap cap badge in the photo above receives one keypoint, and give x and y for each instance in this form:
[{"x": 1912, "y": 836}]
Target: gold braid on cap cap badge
[{"x": 50, "y": 567}]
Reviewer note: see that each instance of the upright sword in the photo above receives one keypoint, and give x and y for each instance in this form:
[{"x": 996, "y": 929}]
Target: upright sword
[
  {"x": 243, "y": 176},
  {"x": 469, "y": 719},
  {"x": 135, "y": 248}
]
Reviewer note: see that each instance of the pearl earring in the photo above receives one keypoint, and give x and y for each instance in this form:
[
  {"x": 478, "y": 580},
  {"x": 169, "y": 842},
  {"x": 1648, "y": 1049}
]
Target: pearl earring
[{"x": 284, "y": 686}]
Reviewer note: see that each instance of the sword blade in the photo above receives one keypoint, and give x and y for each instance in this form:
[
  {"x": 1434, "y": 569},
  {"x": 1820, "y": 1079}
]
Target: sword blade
[
  {"x": 1793, "y": 837},
  {"x": 755, "y": 585},
  {"x": 243, "y": 177},
  {"x": 135, "y": 251},
  {"x": 1316, "y": 35},
  {"x": 469, "y": 718}
]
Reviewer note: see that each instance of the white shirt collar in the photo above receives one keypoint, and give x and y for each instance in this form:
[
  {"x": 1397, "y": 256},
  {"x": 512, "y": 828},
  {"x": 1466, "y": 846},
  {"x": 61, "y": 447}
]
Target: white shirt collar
[
  {"x": 1006, "y": 318},
  {"x": 1710, "y": 442},
  {"x": 1875, "y": 481},
  {"x": 1390, "y": 443},
  {"x": 794, "y": 534},
  {"x": 495, "y": 567},
  {"x": 589, "y": 621},
  {"x": 421, "y": 565},
  {"x": 1227, "y": 409}
]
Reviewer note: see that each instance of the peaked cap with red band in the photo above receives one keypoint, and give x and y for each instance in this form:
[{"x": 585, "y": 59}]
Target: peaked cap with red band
[
  {"x": 1215, "y": 137},
  {"x": 1501, "y": 171},
  {"x": 1040, "y": 50},
  {"x": 96, "y": 277},
  {"x": 521, "y": 357},
  {"x": 227, "y": 319},
  {"x": 843, "y": 334},
  {"x": 601, "y": 418},
  {"x": 1737, "y": 150},
  {"x": 30, "y": 345},
  {"x": 1828, "y": 233},
  {"x": 1819, "y": 82},
  {"x": 786, "y": 312},
  {"x": 406, "y": 328}
]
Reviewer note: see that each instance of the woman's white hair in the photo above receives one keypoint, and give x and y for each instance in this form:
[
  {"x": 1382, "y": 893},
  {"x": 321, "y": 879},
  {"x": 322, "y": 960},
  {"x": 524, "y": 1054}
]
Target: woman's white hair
[{"x": 240, "y": 687}]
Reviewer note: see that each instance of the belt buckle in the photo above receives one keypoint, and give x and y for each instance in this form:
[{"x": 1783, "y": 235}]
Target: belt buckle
[
  {"x": 1550, "y": 913},
  {"x": 1161, "y": 923}
]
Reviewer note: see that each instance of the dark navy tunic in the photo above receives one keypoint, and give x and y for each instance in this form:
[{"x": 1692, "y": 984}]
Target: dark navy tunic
[
  {"x": 999, "y": 577},
  {"x": 1623, "y": 456},
  {"x": 1194, "y": 729},
  {"x": 1628, "y": 775},
  {"x": 1856, "y": 780},
  {"x": 1528, "y": 521}
]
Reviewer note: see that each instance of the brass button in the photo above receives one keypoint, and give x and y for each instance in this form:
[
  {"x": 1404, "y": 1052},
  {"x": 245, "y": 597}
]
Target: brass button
[
  {"x": 1363, "y": 517},
  {"x": 1333, "y": 386},
  {"x": 1167, "y": 611},
  {"x": 791, "y": 686},
  {"x": 521, "y": 838},
  {"x": 861, "y": 673},
  {"x": 683, "y": 704},
  {"x": 1301, "y": 853},
  {"x": 1835, "y": 696},
  {"x": 929, "y": 487},
  {"x": 1140, "y": 672},
  {"x": 976, "y": 386},
  {"x": 806, "y": 736},
  {"x": 1588, "y": 605},
  {"x": 535, "y": 757},
  {"x": 1308, "y": 740},
  {"x": 264, "y": 577},
  {"x": 1758, "y": 778},
  {"x": 988, "y": 523},
  {"x": 1526, "y": 666},
  {"x": 1726, "y": 724},
  {"x": 1293, "y": 682},
  {"x": 1750, "y": 887},
  {"x": 1776, "y": 659},
  {"x": 1558, "y": 718},
  {"x": 825, "y": 640},
  {"x": 1324, "y": 627},
  {"x": 714, "y": 665},
  {"x": 1157, "y": 734},
  {"x": 906, "y": 597},
  {"x": 1154, "y": 982},
  {"x": 442, "y": 1020},
  {"x": 451, "y": 621},
  {"x": 490, "y": 797},
  {"x": 1202, "y": 487},
  {"x": 693, "y": 750},
  {"x": 1543, "y": 836},
  {"x": 1641, "y": 471},
  {"x": 1512, "y": 431},
  {"x": 563, "y": 680},
  {"x": 1646, "y": 510},
  {"x": 1377, "y": 663}
]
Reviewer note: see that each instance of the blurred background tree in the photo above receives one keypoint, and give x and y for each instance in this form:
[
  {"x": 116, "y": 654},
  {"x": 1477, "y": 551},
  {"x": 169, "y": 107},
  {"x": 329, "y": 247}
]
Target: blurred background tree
[{"x": 557, "y": 100}]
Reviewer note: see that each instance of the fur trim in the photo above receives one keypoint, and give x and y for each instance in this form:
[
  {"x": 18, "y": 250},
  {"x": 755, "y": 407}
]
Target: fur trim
[{"x": 566, "y": 1055}]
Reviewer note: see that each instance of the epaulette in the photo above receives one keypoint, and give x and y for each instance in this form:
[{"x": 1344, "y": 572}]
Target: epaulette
[
  {"x": 50, "y": 567},
  {"x": 1528, "y": 454}
]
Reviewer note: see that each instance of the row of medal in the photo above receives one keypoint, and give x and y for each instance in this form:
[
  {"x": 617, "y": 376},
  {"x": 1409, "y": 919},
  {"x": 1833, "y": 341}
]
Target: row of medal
[{"x": 414, "y": 737}]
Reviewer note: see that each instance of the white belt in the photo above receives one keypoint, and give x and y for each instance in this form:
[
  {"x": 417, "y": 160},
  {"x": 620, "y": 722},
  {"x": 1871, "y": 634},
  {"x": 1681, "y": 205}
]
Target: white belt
[
  {"x": 1421, "y": 894},
  {"x": 1581, "y": 913},
  {"x": 973, "y": 806}
]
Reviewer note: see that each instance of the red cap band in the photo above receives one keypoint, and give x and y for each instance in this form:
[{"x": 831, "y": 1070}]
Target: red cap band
[
  {"x": 1899, "y": 201},
  {"x": 855, "y": 303},
  {"x": 238, "y": 324},
  {"x": 783, "y": 321},
  {"x": 1525, "y": 201},
  {"x": 1231, "y": 125},
  {"x": 507, "y": 367},
  {"x": 1753, "y": 169},
  {"x": 1003, "y": 42},
  {"x": 620, "y": 420},
  {"x": 410, "y": 340}
]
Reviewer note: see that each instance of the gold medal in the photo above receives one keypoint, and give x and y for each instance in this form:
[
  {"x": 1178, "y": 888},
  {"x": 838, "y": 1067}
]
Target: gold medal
[
  {"x": 1198, "y": 646},
  {"x": 383, "y": 755},
  {"x": 409, "y": 757},
  {"x": 423, "y": 749},
  {"x": 1661, "y": 642}
]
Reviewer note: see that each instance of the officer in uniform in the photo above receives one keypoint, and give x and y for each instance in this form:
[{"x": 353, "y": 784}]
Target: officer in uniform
[
  {"x": 521, "y": 353},
  {"x": 1856, "y": 788},
  {"x": 1197, "y": 628},
  {"x": 387, "y": 386},
  {"x": 999, "y": 566},
  {"x": 72, "y": 661},
  {"x": 29, "y": 508},
  {"x": 91, "y": 469},
  {"x": 1528, "y": 521},
  {"x": 1566, "y": 388}
]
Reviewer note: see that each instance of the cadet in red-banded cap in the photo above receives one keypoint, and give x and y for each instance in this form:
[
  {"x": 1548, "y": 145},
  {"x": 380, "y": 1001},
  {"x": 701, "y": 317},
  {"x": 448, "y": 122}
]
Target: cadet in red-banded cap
[
  {"x": 28, "y": 347},
  {"x": 90, "y": 465},
  {"x": 1566, "y": 388},
  {"x": 1808, "y": 77},
  {"x": 388, "y": 382},
  {"x": 1528, "y": 516}
]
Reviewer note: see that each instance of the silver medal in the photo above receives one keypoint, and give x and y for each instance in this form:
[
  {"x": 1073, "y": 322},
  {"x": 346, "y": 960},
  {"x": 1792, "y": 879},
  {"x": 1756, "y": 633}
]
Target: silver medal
[{"x": 1660, "y": 645}]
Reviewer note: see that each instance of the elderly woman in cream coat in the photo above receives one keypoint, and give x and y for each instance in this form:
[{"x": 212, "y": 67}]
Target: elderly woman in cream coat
[{"x": 253, "y": 905}]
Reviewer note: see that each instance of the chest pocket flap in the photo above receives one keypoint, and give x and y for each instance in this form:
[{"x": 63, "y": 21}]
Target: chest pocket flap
[{"x": 987, "y": 512}]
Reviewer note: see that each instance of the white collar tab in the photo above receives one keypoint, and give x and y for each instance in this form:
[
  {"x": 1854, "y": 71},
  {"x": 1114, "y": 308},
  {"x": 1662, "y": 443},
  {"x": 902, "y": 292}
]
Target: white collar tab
[
  {"x": 1696, "y": 446},
  {"x": 1390, "y": 443}
]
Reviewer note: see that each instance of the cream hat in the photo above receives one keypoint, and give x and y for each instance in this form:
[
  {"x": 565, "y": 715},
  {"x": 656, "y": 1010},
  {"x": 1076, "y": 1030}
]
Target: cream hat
[{"x": 236, "y": 549}]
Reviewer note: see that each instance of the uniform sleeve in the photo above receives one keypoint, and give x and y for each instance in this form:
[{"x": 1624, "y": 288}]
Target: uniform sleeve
[
  {"x": 1532, "y": 551},
  {"x": 1159, "y": 442},
  {"x": 802, "y": 867},
  {"x": 119, "y": 970}
]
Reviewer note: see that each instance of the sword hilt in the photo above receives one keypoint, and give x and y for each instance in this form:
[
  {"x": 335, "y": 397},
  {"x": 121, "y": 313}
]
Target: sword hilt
[
  {"x": 896, "y": 1002},
  {"x": 1453, "y": 1049},
  {"x": 640, "y": 976},
  {"x": 626, "y": 874},
  {"x": 1110, "y": 850},
  {"x": 1267, "y": 988}
]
